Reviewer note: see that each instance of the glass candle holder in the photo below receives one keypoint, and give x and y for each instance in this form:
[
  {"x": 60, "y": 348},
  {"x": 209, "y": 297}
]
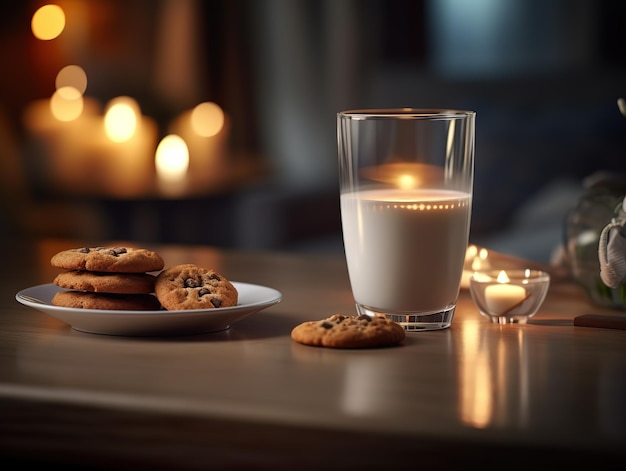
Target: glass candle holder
[{"x": 509, "y": 296}]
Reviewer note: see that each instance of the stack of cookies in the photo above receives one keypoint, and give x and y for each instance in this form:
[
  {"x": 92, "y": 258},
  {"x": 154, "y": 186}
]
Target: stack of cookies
[
  {"x": 115, "y": 278},
  {"x": 119, "y": 278}
]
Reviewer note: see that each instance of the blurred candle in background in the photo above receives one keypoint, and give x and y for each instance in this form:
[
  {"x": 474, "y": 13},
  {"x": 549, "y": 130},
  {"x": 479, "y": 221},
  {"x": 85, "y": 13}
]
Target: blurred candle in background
[
  {"x": 66, "y": 104},
  {"x": 123, "y": 146},
  {"x": 475, "y": 260},
  {"x": 205, "y": 131},
  {"x": 172, "y": 164},
  {"x": 57, "y": 129},
  {"x": 120, "y": 119}
]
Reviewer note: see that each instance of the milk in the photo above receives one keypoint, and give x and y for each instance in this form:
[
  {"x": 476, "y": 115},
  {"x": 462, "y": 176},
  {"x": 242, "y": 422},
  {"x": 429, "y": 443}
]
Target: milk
[{"x": 405, "y": 249}]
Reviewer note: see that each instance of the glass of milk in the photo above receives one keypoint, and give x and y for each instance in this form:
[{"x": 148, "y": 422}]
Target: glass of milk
[{"x": 406, "y": 181}]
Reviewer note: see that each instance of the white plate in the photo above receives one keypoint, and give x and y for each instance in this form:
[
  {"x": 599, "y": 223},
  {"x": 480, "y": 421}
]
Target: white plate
[{"x": 252, "y": 298}]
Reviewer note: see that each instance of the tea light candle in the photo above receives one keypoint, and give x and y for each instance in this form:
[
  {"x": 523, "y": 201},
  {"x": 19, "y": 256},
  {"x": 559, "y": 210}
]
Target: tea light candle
[
  {"x": 502, "y": 297},
  {"x": 510, "y": 297}
]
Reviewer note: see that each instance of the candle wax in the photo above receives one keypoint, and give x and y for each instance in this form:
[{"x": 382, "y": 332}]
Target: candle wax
[{"x": 501, "y": 297}]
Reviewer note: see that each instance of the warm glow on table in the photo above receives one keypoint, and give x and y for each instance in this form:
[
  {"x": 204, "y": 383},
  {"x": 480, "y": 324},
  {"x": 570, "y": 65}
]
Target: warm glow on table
[{"x": 478, "y": 394}]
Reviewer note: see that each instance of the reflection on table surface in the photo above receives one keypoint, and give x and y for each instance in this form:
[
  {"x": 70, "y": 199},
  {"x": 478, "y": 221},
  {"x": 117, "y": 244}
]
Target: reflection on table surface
[{"x": 251, "y": 397}]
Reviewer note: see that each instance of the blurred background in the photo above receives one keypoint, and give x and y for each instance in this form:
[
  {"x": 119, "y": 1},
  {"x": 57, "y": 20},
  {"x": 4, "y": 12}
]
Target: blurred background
[{"x": 233, "y": 104}]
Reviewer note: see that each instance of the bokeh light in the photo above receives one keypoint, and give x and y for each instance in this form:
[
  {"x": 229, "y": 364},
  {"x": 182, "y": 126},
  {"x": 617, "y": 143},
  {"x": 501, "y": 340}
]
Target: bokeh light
[
  {"x": 406, "y": 182},
  {"x": 48, "y": 22},
  {"x": 172, "y": 158},
  {"x": 66, "y": 104},
  {"x": 120, "y": 119},
  {"x": 72, "y": 76},
  {"x": 207, "y": 119}
]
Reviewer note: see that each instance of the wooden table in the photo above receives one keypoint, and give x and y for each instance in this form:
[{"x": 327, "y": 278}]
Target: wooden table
[{"x": 547, "y": 394}]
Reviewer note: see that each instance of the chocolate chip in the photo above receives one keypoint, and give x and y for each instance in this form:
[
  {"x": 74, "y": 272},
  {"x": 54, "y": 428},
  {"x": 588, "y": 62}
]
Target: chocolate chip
[
  {"x": 364, "y": 317},
  {"x": 213, "y": 276},
  {"x": 119, "y": 250},
  {"x": 191, "y": 283},
  {"x": 216, "y": 302},
  {"x": 84, "y": 250},
  {"x": 327, "y": 325},
  {"x": 203, "y": 291}
]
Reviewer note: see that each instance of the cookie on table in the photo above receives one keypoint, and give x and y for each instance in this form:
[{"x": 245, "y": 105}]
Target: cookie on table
[
  {"x": 116, "y": 302},
  {"x": 103, "y": 282},
  {"x": 109, "y": 259},
  {"x": 339, "y": 331},
  {"x": 189, "y": 286}
]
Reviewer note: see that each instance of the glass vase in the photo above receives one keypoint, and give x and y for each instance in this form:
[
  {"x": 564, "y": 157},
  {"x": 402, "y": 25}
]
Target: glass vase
[{"x": 599, "y": 204}]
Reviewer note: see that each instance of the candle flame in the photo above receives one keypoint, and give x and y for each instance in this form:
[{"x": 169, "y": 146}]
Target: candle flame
[
  {"x": 120, "y": 119},
  {"x": 172, "y": 158},
  {"x": 66, "y": 104},
  {"x": 476, "y": 264},
  {"x": 476, "y": 259},
  {"x": 471, "y": 252},
  {"x": 502, "y": 277}
]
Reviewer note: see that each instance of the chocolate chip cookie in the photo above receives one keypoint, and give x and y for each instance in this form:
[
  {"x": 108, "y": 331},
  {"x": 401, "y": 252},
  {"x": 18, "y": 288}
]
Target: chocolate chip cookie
[
  {"x": 189, "y": 286},
  {"x": 109, "y": 259},
  {"x": 103, "y": 282},
  {"x": 85, "y": 300},
  {"x": 339, "y": 331}
]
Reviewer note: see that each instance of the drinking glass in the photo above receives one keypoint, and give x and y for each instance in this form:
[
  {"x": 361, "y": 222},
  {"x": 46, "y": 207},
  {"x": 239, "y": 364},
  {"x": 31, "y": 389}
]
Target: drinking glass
[{"x": 406, "y": 185}]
